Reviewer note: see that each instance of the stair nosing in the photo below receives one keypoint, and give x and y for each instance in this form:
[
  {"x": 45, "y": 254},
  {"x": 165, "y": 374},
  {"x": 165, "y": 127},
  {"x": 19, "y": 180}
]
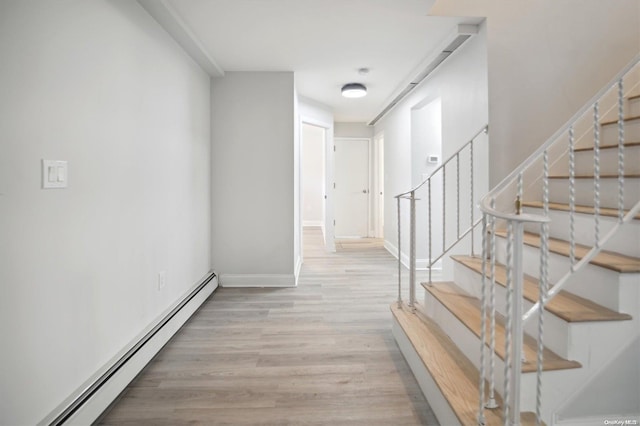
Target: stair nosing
[
  {"x": 559, "y": 363},
  {"x": 596, "y": 261},
  {"x": 591, "y": 148},
  {"x": 624, "y": 119},
  {"x": 580, "y": 209},
  {"x": 602, "y": 176},
  {"x": 611, "y": 315}
]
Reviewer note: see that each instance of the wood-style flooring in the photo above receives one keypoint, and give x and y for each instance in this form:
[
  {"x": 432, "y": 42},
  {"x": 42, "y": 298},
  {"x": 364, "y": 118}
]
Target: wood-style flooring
[{"x": 318, "y": 354}]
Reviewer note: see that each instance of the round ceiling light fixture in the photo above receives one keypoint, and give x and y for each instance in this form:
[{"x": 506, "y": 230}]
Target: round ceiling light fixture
[{"x": 354, "y": 90}]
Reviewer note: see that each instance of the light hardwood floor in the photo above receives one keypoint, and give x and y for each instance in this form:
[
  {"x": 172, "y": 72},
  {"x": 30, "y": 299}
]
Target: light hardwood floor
[{"x": 318, "y": 354}]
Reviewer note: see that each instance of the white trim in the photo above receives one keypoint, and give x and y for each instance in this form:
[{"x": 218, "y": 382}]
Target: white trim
[
  {"x": 91, "y": 410},
  {"x": 297, "y": 270},
  {"x": 257, "y": 280},
  {"x": 314, "y": 223},
  {"x": 170, "y": 20},
  {"x": 327, "y": 226}
]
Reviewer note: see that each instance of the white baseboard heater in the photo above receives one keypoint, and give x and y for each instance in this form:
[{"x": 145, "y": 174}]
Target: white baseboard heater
[{"x": 90, "y": 403}]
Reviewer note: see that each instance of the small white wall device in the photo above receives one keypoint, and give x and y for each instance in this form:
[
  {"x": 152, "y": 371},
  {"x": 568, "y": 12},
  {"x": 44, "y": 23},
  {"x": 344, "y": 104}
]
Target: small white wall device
[
  {"x": 54, "y": 174},
  {"x": 433, "y": 159}
]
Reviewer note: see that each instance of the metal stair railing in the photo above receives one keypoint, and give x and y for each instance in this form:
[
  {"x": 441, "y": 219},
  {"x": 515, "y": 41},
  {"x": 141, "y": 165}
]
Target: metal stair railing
[
  {"x": 460, "y": 235},
  {"x": 536, "y": 169}
]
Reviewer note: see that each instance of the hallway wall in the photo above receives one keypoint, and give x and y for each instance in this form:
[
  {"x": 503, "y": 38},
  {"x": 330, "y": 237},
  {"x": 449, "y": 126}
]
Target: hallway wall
[
  {"x": 97, "y": 83},
  {"x": 460, "y": 84},
  {"x": 252, "y": 134}
]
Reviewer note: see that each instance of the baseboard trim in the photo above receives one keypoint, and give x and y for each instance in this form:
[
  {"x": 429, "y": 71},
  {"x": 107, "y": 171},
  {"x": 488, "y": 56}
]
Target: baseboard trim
[
  {"x": 312, "y": 223},
  {"x": 421, "y": 264},
  {"x": 297, "y": 271},
  {"x": 257, "y": 280},
  {"x": 89, "y": 403}
]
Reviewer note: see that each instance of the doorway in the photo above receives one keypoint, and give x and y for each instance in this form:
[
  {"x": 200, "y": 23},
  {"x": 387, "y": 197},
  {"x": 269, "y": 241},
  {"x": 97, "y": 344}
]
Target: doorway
[
  {"x": 313, "y": 176},
  {"x": 352, "y": 188}
]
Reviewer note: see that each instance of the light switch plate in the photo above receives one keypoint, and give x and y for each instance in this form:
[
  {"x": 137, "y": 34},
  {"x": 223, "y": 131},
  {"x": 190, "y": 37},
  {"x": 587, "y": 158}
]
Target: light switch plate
[{"x": 54, "y": 174}]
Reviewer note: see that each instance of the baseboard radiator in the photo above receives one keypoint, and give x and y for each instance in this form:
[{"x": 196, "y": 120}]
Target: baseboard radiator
[{"x": 90, "y": 403}]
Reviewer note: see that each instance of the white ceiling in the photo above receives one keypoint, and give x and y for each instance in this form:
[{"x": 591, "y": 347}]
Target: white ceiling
[{"x": 324, "y": 42}]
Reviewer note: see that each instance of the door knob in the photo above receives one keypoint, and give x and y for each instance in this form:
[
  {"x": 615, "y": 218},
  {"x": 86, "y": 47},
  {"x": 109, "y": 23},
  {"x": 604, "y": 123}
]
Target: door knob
[{"x": 364, "y": 191}]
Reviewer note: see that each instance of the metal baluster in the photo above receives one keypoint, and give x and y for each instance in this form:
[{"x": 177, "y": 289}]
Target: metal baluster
[
  {"x": 458, "y": 194},
  {"x": 519, "y": 193},
  {"x": 596, "y": 171},
  {"x": 543, "y": 283},
  {"x": 620, "y": 152},
  {"x": 444, "y": 205},
  {"x": 471, "y": 183},
  {"x": 430, "y": 246},
  {"x": 507, "y": 338},
  {"x": 491, "y": 403},
  {"x": 516, "y": 321},
  {"x": 572, "y": 199},
  {"x": 399, "y": 259},
  {"x": 483, "y": 321},
  {"x": 412, "y": 253}
]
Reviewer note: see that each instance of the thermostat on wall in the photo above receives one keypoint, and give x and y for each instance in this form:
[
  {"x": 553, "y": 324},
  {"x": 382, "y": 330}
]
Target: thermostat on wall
[{"x": 433, "y": 159}]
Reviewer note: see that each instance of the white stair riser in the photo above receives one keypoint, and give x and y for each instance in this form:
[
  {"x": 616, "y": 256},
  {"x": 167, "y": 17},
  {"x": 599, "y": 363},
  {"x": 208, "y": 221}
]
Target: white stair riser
[
  {"x": 609, "y": 133},
  {"x": 597, "y": 343},
  {"x": 584, "y": 161},
  {"x": 584, "y": 190},
  {"x": 598, "y": 284},
  {"x": 632, "y": 108},
  {"x": 469, "y": 344},
  {"x": 556, "y": 336},
  {"x": 625, "y": 241}
]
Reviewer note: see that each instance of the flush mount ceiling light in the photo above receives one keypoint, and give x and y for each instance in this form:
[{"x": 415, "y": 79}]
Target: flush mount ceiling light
[{"x": 354, "y": 90}]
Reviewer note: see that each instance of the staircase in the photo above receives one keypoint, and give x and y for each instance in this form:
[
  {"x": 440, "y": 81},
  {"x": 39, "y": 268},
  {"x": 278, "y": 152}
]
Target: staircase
[{"x": 553, "y": 302}]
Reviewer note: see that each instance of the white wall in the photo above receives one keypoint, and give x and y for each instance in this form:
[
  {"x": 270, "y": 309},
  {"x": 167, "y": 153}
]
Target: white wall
[
  {"x": 313, "y": 166},
  {"x": 252, "y": 133},
  {"x": 619, "y": 380},
  {"x": 353, "y": 130},
  {"x": 101, "y": 85},
  {"x": 547, "y": 59},
  {"x": 461, "y": 85}
]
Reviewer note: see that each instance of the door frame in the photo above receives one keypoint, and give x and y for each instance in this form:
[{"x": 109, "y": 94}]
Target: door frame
[
  {"x": 329, "y": 236},
  {"x": 370, "y": 178}
]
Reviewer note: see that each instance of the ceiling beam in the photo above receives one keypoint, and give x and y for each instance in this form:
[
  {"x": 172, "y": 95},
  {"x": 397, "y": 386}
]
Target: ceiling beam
[{"x": 168, "y": 18}]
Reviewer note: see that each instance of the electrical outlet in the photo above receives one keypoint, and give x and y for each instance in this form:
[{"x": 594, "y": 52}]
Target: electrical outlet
[{"x": 162, "y": 279}]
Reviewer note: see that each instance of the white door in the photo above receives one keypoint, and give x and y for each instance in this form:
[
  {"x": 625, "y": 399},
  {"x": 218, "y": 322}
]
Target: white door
[{"x": 352, "y": 188}]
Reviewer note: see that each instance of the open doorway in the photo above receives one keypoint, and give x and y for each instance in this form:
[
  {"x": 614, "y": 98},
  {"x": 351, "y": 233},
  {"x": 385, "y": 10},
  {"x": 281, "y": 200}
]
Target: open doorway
[{"x": 313, "y": 176}]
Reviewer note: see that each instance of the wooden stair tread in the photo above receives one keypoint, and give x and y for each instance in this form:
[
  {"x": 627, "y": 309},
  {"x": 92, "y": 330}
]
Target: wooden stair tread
[
  {"x": 565, "y": 305},
  {"x": 625, "y": 119},
  {"x": 590, "y": 148},
  {"x": 604, "y": 211},
  {"x": 605, "y": 259},
  {"x": 467, "y": 309},
  {"x": 634, "y": 97},
  {"x": 456, "y": 377},
  {"x": 604, "y": 176}
]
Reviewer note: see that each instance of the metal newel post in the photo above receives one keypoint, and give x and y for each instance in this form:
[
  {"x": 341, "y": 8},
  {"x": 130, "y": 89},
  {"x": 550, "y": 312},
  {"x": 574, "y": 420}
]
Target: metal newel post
[
  {"x": 516, "y": 323},
  {"x": 412, "y": 252},
  {"x": 399, "y": 258}
]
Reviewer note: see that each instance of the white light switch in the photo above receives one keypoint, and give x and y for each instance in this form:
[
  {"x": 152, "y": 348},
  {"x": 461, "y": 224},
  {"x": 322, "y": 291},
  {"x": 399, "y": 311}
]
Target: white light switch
[{"x": 54, "y": 174}]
